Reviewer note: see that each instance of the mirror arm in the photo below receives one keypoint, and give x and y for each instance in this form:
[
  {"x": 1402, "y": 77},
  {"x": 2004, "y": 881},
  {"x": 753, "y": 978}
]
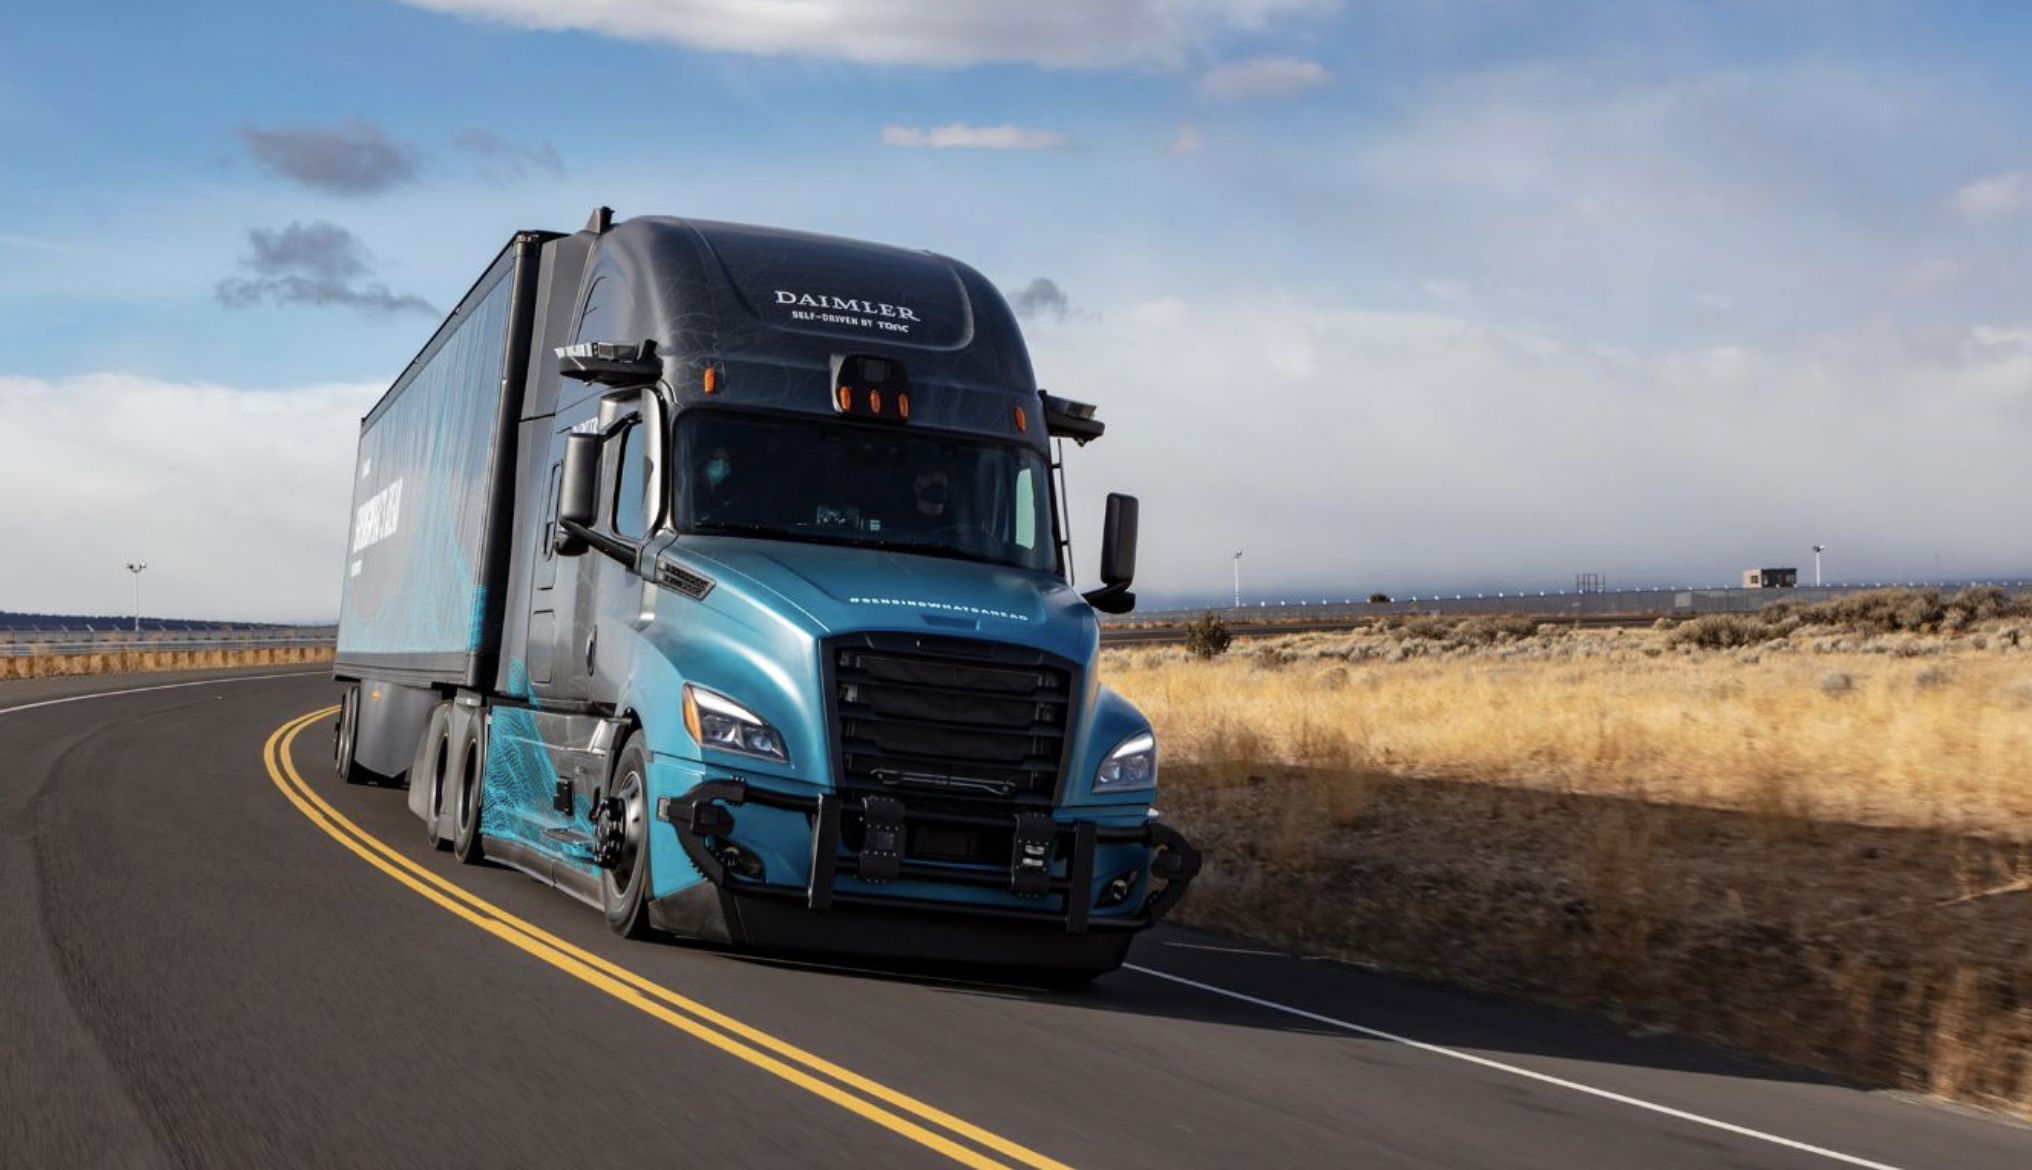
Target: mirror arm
[
  {"x": 1114, "y": 598},
  {"x": 625, "y": 551}
]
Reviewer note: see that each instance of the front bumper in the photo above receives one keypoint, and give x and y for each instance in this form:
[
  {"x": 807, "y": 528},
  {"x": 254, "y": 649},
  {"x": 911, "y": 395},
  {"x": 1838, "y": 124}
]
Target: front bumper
[{"x": 740, "y": 906}]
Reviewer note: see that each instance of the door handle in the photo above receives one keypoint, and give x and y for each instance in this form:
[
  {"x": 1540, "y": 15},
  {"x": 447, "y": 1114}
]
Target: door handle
[{"x": 592, "y": 649}]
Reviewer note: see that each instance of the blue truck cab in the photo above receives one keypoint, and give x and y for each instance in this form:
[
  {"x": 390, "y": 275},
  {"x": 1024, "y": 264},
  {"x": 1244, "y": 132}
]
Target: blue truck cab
[{"x": 717, "y": 576}]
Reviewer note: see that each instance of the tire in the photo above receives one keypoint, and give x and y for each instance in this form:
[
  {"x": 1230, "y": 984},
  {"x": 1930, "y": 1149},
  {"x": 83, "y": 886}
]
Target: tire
[
  {"x": 469, "y": 769},
  {"x": 433, "y": 768},
  {"x": 624, "y": 887},
  {"x": 345, "y": 736}
]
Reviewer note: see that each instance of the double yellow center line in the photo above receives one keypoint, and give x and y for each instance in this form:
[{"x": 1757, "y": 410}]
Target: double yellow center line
[{"x": 849, "y": 1090}]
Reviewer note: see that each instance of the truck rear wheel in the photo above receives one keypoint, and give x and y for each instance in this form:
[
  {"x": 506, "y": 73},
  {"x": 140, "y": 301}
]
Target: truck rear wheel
[
  {"x": 624, "y": 886},
  {"x": 470, "y": 769},
  {"x": 433, "y": 764}
]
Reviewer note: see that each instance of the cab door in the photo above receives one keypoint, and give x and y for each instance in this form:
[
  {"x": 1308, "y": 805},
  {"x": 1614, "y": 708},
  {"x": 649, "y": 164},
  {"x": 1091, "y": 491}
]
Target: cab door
[{"x": 562, "y": 745}]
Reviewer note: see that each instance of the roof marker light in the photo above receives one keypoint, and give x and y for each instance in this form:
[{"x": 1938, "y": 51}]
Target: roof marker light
[
  {"x": 903, "y": 404},
  {"x": 846, "y": 398},
  {"x": 1022, "y": 423},
  {"x": 712, "y": 380}
]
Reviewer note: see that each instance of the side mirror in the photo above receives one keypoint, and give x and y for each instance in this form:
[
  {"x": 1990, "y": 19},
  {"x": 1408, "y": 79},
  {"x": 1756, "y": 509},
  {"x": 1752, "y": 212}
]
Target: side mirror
[
  {"x": 1118, "y": 557},
  {"x": 578, "y": 499}
]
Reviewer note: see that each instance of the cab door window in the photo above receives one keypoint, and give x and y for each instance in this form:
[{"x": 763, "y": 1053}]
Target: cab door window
[{"x": 631, "y": 479}]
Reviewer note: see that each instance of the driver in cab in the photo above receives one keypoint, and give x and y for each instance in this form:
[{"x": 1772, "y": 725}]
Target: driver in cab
[
  {"x": 933, "y": 516},
  {"x": 932, "y": 491},
  {"x": 719, "y": 498}
]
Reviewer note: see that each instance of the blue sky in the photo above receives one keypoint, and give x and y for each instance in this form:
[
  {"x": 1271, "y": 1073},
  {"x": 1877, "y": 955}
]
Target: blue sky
[{"x": 1398, "y": 295}]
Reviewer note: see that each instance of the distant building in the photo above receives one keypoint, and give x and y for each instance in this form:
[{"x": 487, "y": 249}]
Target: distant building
[{"x": 1770, "y": 578}]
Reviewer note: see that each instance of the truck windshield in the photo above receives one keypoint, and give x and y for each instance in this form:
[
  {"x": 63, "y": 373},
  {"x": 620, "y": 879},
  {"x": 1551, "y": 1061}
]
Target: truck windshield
[{"x": 880, "y": 487}]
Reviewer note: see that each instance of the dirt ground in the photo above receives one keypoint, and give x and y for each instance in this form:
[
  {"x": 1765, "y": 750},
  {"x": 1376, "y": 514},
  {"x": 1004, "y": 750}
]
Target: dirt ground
[{"x": 1891, "y": 956}]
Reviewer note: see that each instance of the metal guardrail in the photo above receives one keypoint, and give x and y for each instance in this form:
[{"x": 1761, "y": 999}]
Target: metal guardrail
[{"x": 160, "y": 646}]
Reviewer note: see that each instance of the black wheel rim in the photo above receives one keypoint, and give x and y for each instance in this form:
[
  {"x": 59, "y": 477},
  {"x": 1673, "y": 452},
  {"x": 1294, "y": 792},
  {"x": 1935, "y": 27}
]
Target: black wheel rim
[{"x": 633, "y": 830}]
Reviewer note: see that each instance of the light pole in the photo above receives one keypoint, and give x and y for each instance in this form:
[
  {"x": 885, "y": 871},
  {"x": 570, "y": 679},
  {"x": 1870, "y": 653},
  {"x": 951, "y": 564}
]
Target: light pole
[
  {"x": 135, "y": 568},
  {"x": 1238, "y": 578},
  {"x": 1817, "y": 550}
]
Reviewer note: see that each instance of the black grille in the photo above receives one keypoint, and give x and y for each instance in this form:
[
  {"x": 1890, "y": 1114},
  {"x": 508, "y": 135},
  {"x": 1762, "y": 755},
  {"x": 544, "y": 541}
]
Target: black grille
[{"x": 960, "y": 717}]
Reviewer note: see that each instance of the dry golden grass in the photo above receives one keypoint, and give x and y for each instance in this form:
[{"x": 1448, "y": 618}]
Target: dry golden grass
[
  {"x": 1900, "y": 731},
  {"x": 1816, "y": 847},
  {"x": 135, "y": 661}
]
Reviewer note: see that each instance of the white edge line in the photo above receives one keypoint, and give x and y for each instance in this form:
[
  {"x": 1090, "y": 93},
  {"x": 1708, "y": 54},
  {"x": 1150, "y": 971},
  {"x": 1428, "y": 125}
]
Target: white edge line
[
  {"x": 1226, "y": 950},
  {"x": 1498, "y": 1065},
  {"x": 203, "y": 682}
]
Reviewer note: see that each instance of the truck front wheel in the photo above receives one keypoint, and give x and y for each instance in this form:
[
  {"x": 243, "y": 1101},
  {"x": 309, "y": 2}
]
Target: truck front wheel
[{"x": 624, "y": 885}]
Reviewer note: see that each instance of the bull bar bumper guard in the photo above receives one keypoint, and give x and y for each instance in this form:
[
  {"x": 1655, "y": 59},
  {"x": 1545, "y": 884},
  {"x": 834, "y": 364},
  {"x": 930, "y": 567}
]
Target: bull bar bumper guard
[{"x": 699, "y": 816}]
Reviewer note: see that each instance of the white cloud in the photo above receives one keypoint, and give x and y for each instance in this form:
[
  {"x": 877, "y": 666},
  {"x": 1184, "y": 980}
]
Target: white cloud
[
  {"x": 959, "y": 135},
  {"x": 1188, "y": 140},
  {"x": 237, "y": 499},
  {"x": 1601, "y": 195},
  {"x": 1355, "y": 450},
  {"x": 1995, "y": 196},
  {"x": 1264, "y": 77},
  {"x": 1934, "y": 275},
  {"x": 917, "y": 32}
]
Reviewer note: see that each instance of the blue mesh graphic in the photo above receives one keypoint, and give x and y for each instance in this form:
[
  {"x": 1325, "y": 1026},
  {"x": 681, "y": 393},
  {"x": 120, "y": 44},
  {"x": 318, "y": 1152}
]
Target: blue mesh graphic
[
  {"x": 521, "y": 778},
  {"x": 413, "y": 587}
]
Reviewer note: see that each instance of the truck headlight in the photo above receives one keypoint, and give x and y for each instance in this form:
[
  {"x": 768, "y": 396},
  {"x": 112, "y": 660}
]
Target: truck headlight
[
  {"x": 1132, "y": 765},
  {"x": 720, "y": 723}
]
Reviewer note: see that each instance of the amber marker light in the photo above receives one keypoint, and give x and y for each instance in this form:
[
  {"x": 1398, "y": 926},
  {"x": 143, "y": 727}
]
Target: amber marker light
[
  {"x": 691, "y": 721},
  {"x": 903, "y": 404},
  {"x": 846, "y": 398},
  {"x": 875, "y": 401},
  {"x": 712, "y": 380},
  {"x": 1022, "y": 423}
]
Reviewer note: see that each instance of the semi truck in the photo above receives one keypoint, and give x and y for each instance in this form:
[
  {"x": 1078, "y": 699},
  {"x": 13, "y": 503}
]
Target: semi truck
[{"x": 719, "y": 577}]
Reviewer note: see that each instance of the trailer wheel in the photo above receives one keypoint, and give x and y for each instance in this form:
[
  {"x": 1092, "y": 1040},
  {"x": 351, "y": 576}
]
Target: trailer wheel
[
  {"x": 342, "y": 736},
  {"x": 470, "y": 768},
  {"x": 624, "y": 886},
  {"x": 345, "y": 735},
  {"x": 433, "y": 765}
]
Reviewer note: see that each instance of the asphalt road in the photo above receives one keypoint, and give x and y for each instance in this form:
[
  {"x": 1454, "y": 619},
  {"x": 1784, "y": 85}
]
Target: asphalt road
[{"x": 202, "y": 967}]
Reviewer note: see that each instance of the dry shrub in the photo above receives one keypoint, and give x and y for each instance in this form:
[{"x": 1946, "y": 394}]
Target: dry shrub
[
  {"x": 1885, "y": 611},
  {"x": 1933, "y": 676},
  {"x": 1720, "y": 631},
  {"x": 1208, "y": 637}
]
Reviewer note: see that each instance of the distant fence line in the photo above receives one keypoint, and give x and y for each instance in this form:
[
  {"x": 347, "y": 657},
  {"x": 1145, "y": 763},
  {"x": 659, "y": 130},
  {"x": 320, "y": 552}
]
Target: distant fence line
[
  {"x": 19, "y": 642},
  {"x": 1549, "y": 603}
]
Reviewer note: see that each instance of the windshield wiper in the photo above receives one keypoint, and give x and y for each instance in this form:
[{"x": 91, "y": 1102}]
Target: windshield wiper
[{"x": 716, "y": 527}]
